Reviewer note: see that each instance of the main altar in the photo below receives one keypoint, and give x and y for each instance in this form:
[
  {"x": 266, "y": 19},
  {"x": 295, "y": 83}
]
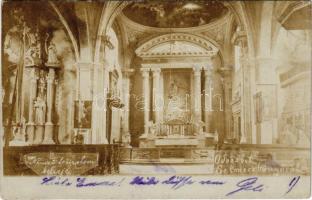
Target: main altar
[{"x": 177, "y": 81}]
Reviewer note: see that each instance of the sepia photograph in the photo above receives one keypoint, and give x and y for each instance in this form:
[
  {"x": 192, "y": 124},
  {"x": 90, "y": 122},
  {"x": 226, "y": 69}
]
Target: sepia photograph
[{"x": 155, "y": 99}]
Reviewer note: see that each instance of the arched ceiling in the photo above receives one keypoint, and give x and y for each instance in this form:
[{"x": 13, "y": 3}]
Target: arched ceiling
[
  {"x": 176, "y": 45},
  {"x": 175, "y": 14}
]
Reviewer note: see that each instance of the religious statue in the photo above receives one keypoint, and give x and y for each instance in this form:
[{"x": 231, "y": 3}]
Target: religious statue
[
  {"x": 33, "y": 53},
  {"x": 153, "y": 129},
  {"x": 41, "y": 85},
  {"x": 40, "y": 107},
  {"x": 199, "y": 127},
  {"x": 52, "y": 54},
  {"x": 126, "y": 139},
  {"x": 173, "y": 91}
]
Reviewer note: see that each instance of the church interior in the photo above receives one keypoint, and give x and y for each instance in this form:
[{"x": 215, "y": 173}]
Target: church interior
[{"x": 147, "y": 76}]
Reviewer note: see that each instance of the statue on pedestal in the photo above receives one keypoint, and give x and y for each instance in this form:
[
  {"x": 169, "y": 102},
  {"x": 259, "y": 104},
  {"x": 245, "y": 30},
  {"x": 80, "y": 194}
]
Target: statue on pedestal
[
  {"x": 153, "y": 129},
  {"x": 40, "y": 107},
  {"x": 51, "y": 52},
  {"x": 198, "y": 127},
  {"x": 41, "y": 85},
  {"x": 52, "y": 57},
  {"x": 126, "y": 139}
]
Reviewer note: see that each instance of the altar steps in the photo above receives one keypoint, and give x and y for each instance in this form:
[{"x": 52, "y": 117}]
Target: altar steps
[
  {"x": 178, "y": 160},
  {"x": 166, "y": 168}
]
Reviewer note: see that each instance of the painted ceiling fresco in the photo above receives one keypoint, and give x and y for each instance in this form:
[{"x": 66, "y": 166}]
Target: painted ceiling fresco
[{"x": 175, "y": 14}]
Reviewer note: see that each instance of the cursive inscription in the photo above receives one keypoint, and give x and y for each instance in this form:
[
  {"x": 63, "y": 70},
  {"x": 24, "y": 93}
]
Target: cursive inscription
[
  {"x": 178, "y": 181},
  {"x": 173, "y": 182},
  {"x": 139, "y": 180},
  {"x": 78, "y": 182},
  {"x": 247, "y": 185},
  {"x": 82, "y": 182},
  {"x": 210, "y": 182},
  {"x": 53, "y": 180}
]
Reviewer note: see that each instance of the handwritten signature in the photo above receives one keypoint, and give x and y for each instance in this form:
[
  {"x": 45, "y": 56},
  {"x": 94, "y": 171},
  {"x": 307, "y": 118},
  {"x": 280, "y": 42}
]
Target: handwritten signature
[{"x": 248, "y": 184}]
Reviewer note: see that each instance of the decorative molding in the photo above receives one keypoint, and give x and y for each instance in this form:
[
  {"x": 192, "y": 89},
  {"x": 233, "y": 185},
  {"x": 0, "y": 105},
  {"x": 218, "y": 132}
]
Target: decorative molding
[
  {"x": 137, "y": 32},
  {"x": 201, "y": 47},
  {"x": 173, "y": 66}
]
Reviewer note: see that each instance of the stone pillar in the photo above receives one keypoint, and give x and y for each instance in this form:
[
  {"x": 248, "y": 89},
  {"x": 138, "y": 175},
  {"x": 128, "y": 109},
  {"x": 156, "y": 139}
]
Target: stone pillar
[
  {"x": 48, "y": 133},
  {"x": 146, "y": 93},
  {"x": 161, "y": 92},
  {"x": 208, "y": 97},
  {"x": 197, "y": 94},
  {"x": 99, "y": 107},
  {"x": 245, "y": 82},
  {"x": 126, "y": 100},
  {"x": 227, "y": 87},
  {"x": 156, "y": 95},
  {"x": 266, "y": 87},
  {"x": 30, "y": 130}
]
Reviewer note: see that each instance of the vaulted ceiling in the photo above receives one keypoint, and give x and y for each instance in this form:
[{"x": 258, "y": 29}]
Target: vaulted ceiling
[{"x": 175, "y": 14}]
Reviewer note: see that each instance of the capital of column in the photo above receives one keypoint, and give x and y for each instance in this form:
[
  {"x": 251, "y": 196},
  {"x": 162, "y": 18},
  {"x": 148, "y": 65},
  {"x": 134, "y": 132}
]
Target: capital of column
[
  {"x": 208, "y": 72},
  {"x": 145, "y": 72},
  {"x": 83, "y": 66},
  {"x": 127, "y": 72},
  {"x": 156, "y": 71},
  {"x": 197, "y": 71},
  {"x": 225, "y": 71}
]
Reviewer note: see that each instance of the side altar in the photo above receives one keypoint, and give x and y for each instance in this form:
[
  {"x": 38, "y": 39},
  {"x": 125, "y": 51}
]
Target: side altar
[{"x": 32, "y": 119}]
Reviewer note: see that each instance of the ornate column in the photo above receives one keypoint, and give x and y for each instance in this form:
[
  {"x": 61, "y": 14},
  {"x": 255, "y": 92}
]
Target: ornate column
[
  {"x": 30, "y": 130},
  {"x": 48, "y": 133},
  {"x": 197, "y": 94},
  {"x": 208, "y": 96},
  {"x": 156, "y": 94},
  {"x": 146, "y": 93},
  {"x": 126, "y": 95},
  {"x": 243, "y": 101}
]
